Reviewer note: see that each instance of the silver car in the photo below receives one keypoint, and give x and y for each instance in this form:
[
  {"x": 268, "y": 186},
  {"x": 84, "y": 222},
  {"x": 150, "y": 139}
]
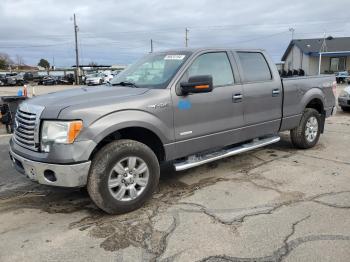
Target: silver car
[
  {"x": 95, "y": 79},
  {"x": 344, "y": 99}
]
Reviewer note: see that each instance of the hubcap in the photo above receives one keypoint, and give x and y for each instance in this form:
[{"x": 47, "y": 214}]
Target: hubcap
[
  {"x": 311, "y": 129},
  {"x": 128, "y": 178}
]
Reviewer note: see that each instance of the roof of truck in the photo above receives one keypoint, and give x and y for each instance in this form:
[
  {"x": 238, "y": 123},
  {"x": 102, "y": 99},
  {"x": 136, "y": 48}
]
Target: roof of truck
[{"x": 195, "y": 50}]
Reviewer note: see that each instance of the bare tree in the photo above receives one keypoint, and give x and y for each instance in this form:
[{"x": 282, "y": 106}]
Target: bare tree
[{"x": 19, "y": 60}]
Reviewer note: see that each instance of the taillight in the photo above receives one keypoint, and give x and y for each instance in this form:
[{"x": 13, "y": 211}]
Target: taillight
[{"x": 334, "y": 88}]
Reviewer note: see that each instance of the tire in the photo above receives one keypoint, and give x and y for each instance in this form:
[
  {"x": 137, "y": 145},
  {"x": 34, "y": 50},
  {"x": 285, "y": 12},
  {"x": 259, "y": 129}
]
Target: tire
[
  {"x": 345, "y": 109},
  {"x": 299, "y": 136},
  {"x": 113, "y": 156}
]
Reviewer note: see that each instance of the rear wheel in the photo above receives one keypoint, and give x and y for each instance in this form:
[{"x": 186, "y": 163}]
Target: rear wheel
[
  {"x": 307, "y": 134},
  {"x": 123, "y": 175},
  {"x": 345, "y": 109}
]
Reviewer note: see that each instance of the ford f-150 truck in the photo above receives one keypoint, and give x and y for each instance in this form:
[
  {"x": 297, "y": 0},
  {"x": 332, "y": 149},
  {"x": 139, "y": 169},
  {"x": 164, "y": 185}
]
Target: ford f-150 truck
[{"x": 188, "y": 107}]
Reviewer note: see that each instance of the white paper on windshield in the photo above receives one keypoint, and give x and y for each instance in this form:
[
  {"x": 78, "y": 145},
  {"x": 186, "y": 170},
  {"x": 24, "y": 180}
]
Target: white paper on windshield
[{"x": 174, "y": 57}]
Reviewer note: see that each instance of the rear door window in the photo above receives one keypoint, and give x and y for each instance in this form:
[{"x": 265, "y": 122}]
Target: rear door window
[{"x": 255, "y": 67}]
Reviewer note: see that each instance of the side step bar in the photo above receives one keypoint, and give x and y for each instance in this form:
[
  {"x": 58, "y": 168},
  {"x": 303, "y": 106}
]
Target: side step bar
[{"x": 197, "y": 160}]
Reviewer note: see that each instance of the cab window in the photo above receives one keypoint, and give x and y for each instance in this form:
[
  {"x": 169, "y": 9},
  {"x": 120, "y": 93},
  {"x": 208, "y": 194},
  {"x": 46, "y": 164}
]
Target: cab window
[{"x": 215, "y": 64}]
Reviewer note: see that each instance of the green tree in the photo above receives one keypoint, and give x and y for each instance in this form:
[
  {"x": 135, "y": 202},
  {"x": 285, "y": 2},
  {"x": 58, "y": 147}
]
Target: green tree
[
  {"x": 3, "y": 64},
  {"x": 44, "y": 63},
  {"x": 5, "y": 61}
]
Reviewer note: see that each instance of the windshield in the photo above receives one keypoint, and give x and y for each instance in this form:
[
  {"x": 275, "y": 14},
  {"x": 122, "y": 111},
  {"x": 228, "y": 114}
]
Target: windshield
[{"x": 153, "y": 71}]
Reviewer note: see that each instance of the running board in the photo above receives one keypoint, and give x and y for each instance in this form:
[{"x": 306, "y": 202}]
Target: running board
[{"x": 197, "y": 160}]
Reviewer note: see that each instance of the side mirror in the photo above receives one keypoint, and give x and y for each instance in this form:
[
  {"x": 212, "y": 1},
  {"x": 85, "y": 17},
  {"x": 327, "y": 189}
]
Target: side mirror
[{"x": 197, "y": 84}]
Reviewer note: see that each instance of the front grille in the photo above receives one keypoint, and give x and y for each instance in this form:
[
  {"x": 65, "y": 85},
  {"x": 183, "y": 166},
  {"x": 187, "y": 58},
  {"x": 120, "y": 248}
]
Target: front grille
[{"x": 26, "y": 125}]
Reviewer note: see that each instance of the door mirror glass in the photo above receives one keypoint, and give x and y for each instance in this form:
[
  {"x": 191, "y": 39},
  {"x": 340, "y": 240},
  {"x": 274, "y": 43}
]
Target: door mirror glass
[{"x": 197, "y": 84}]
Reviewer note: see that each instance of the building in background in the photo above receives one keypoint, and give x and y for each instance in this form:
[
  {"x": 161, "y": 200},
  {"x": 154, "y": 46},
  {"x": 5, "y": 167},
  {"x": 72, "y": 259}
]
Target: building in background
[{"x": 305, "y": 54}]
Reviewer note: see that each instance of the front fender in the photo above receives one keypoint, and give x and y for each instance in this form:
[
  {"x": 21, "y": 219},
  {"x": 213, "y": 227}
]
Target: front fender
[{"x": 110, "y": 123}]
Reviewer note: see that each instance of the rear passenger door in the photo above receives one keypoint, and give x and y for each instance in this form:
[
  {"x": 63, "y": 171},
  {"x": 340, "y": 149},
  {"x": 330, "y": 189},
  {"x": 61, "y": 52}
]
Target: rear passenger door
[{"x": 262, "y": 94}]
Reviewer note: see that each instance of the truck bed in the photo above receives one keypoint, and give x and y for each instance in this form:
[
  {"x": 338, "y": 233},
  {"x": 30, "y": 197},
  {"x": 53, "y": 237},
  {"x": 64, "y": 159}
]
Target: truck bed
[{"x": 294, "y": 98}]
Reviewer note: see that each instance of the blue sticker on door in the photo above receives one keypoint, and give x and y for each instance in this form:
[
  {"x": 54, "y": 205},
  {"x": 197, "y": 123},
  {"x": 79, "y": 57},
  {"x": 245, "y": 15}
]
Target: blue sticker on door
[{"x": 184, "y": 104}]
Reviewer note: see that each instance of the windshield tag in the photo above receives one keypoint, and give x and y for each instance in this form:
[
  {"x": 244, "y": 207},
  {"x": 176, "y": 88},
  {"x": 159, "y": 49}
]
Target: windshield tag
[{"x": 174, "y": 57}]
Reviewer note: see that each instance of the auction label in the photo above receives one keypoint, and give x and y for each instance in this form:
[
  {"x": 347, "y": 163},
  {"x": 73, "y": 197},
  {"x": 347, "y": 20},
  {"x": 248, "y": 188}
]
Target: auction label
[{"x": 174, "y": 57}]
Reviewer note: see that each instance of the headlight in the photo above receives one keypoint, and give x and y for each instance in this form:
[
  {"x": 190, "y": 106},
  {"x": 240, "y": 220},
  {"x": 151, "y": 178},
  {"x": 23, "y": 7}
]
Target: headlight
[
  {"x": 343, "y": 94},
  {"x": 59, "y": 132}
]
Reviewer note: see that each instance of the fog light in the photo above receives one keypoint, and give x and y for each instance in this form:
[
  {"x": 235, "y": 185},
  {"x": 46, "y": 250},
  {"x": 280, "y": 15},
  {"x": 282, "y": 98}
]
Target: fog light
[{"x": 50, "y": 175}]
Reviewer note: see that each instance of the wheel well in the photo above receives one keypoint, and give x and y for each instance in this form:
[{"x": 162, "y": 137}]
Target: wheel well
[
  {"x": 316, "y": 104},
  {"x": 139, "y": 134}
]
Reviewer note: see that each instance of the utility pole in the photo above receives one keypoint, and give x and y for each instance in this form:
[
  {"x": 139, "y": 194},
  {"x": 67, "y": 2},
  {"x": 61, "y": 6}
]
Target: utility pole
[
  {"x": 76, "y": 52},
  {"x": 186, "y": 36},
  {"x": 292, "y": 31},
  {"x": 322, "y": 50},
  {"x": 151, "y": 46}
]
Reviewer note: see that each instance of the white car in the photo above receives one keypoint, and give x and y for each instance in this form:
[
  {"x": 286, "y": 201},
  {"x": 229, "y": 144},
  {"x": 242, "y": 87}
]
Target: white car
[
  {"x": 95, "y": 79},
  {"x": 107, "y": 78}
]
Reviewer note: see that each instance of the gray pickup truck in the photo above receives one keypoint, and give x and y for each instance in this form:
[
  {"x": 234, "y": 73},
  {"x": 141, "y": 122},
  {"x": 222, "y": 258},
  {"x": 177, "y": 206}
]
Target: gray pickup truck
[{"x": 188, "y": 106}]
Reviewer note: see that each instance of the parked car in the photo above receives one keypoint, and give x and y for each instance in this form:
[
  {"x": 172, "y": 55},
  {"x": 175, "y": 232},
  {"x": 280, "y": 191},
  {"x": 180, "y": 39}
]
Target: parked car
[
  {"x": 95, "y": 79},
  {"x": 30, "y": 76},
  {"x": 3, "y": 80},
  {"x": 193, "y": 107},
  {"x": 344, "y": 99},
  {"x": 13, "y": 79},
  {"x": 107, "y": 78},
  {"x": 48, "y": 80},
  {"x": 66, "y": 80},
  {"x": 343, "y": 77}
]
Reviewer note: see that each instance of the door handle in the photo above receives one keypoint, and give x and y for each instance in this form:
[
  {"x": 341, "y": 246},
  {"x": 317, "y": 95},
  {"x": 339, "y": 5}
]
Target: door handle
[
  {"x": 275, "y": 92},
  {"x": 237, "y": 98}
]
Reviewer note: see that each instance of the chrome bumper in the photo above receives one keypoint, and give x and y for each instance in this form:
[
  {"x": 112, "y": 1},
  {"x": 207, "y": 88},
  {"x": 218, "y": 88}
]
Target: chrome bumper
[{"x": 74, "y": 175}]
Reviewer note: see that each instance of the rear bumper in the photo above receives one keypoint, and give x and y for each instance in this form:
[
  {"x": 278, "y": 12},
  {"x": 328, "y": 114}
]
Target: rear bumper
[
  {"x": 344, "y": 102},
  {"x": 62, "y": 175}
]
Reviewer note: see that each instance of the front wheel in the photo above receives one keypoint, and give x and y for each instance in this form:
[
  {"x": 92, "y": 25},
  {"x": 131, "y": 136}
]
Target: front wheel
[
  {"x": 307, "y": 133},
  {"x": 123, "y": 175}
]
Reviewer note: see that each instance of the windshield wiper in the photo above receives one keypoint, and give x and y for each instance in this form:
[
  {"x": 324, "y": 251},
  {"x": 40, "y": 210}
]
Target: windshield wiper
[{"x": 125, "y": 83}]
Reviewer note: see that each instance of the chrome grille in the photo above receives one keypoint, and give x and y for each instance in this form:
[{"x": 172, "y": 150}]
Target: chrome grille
[{"x": 26, "y": 126}]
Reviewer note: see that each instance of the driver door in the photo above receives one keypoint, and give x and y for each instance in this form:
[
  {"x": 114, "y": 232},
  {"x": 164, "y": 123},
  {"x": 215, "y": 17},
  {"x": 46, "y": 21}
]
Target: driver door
[{"x": 204, "y": 121}]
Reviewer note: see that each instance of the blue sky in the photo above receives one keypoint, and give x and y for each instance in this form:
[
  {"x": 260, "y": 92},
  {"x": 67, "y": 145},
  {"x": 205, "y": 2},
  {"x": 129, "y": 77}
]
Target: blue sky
[{"x": 119, "y": 32}]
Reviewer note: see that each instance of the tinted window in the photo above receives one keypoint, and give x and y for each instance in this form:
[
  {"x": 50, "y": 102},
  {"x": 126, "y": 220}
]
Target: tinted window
[
  {"x": 215, "y": 64},
  {"x": 254, "y": 66}
]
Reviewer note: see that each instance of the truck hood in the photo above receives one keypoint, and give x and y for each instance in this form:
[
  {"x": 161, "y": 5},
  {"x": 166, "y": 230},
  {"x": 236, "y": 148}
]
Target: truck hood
[{"x": 55, "y": 102}]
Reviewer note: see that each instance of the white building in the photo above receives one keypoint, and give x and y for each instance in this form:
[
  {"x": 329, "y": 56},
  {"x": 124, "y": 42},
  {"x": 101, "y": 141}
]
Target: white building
[{"x": 305, "y": 54}]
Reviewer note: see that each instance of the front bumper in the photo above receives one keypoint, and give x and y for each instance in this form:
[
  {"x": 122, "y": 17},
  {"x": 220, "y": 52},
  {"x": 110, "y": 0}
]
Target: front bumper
[
  {"x": 344, "y": 101},
  {"x": 93, "y": 82},
  {"x": 63, "y": 175}
]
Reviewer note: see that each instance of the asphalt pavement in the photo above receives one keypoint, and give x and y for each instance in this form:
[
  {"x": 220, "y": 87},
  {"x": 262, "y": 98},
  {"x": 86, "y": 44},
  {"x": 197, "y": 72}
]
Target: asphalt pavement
[{"x": 272, "y": 204}]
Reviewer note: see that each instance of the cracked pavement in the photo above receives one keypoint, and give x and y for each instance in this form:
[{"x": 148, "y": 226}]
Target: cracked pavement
[{"x": 272, "y": 204}]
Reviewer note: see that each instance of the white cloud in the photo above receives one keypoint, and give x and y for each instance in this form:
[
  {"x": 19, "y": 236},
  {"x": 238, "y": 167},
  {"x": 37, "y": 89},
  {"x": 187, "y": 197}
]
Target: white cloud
[{"x": 119, "y": 31}]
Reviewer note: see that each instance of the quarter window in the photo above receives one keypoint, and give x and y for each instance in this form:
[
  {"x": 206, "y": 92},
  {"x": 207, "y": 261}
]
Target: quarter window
[
  {"x": 255, "y": 67},
  {"x": 215, "y": 64}
]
